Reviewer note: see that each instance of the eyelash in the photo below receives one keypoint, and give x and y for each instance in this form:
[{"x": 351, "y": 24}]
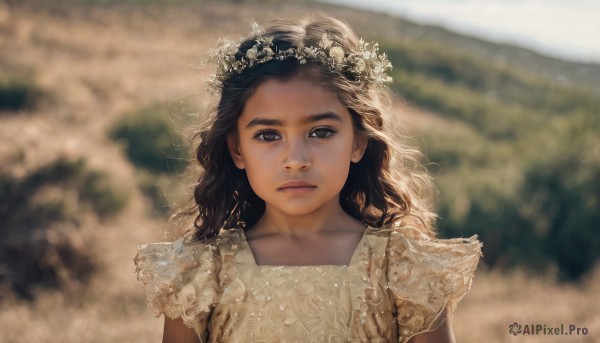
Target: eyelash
[{"x": 260, "y": 134}]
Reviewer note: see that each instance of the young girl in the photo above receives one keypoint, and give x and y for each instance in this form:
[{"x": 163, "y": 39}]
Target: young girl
[{"x": 310, "y": 224}]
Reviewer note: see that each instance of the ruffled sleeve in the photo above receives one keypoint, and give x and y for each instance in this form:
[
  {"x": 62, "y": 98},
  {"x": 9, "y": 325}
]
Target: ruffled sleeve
[
  {"x": 426, "y": 276},
  {"x": 180, "y": 280}
]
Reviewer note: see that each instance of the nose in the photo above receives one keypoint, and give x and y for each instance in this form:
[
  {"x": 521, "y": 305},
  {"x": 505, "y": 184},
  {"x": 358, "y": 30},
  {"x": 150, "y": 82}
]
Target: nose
[{"x": 297, "y": 156}]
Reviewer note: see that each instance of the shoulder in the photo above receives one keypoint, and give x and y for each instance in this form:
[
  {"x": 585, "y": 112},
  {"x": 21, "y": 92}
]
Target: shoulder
[
  {"x": 182, "y": 279},
  {"x": 428, "y": 276},
  {"x": 418, "y": 240},
  {"x": 171, "y": 259},
  {"x": 183, "y": 255},
  {"x": 179, "y": 277},
  {"x": 419, "y": 255}
]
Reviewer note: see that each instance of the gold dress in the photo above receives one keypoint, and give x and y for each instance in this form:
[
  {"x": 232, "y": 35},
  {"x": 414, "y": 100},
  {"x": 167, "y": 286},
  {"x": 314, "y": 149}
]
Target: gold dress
[{"x": 396, "y": 285}]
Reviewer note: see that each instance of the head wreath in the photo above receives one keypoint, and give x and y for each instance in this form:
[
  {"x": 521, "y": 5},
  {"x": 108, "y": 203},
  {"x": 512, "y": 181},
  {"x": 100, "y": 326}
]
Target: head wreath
[{"x": 364, "y": 65}]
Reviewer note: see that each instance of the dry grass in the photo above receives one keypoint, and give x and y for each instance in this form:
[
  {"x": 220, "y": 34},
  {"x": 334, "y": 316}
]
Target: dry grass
[
  {"x": 98, "y": 63},
  {"x": 496, "y": 301}
]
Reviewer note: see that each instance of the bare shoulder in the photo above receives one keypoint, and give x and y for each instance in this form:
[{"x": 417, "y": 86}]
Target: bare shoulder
[{"x": 175, "y": 331}]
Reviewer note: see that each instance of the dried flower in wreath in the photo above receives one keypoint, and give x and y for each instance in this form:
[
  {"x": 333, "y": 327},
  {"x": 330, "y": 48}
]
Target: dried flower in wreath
[{"x": 364, "y": 65}]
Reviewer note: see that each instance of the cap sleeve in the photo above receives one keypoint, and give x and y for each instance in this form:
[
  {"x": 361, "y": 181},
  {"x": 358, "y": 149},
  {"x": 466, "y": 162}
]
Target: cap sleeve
[
  {"x": 180, "y": 280},
  {"x": 427, "y": 275}
]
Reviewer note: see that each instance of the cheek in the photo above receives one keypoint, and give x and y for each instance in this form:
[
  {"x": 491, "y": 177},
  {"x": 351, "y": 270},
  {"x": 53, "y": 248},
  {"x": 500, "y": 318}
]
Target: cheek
[
  {"x": 259, "y": 165},
  {"x": 258, "y": 177},
  {"x": 256, "y": 156},
  {"x": 335, "y": 159}
]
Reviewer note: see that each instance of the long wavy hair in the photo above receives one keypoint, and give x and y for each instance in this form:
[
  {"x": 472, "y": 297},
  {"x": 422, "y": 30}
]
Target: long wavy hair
[{"x": 389, "y": 183}]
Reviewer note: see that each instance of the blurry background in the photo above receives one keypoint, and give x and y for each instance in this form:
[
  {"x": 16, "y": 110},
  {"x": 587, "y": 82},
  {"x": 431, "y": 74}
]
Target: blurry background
[{"x": 93, "y": 93}]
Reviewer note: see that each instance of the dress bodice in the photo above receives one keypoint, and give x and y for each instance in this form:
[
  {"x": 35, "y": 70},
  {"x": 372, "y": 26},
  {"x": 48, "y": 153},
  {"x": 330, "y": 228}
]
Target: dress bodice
[{"x": 396, "y": 285}]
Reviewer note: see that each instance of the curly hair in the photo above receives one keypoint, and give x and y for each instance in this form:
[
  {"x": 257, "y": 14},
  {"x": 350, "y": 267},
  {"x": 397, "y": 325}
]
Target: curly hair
[{"x": 390, "y": 182}]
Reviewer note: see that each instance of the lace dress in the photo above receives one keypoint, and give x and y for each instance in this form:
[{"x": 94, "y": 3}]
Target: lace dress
[{"x": 396, "y": 285}]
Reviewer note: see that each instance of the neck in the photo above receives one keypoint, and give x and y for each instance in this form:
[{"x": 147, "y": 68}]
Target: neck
[{"x": 330, "y": 217}]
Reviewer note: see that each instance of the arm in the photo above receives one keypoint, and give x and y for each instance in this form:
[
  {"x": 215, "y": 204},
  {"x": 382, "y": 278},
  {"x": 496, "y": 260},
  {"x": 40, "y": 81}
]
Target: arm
[
  {"x": 176, "y": 331},
  {"x": 442, "y": 334}
]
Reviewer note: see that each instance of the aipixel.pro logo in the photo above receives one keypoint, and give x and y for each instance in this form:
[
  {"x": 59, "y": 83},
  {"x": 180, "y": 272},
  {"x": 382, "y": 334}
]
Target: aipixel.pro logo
[
  {"x": 514, "y": 328},
  {"x": 546, "y": 330}
]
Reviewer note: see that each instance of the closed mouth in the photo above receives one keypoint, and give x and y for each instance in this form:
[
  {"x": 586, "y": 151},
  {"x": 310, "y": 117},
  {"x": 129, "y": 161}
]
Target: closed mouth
[{"x": 297, "y": 185}]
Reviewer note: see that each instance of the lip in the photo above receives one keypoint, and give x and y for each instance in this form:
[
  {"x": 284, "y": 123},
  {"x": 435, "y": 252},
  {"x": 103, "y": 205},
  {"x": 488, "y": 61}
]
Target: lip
[{"x": 296, "y": 185}]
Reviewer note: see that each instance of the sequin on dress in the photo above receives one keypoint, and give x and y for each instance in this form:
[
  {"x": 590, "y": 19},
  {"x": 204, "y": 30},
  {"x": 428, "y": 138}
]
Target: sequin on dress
[{"x": 396, "y": 285}]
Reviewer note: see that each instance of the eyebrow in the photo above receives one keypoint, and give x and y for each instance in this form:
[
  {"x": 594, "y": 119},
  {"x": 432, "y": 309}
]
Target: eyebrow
[{"x": 310, "y": 119}]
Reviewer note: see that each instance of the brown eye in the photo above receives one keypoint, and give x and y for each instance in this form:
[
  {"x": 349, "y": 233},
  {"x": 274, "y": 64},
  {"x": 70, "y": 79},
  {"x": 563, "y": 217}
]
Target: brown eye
[
  {"x": 322, "y": 132},
  {"x": 267, "y": 136}
]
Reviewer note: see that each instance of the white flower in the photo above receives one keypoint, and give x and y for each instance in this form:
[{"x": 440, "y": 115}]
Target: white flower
[
  {"x": 325, "y": 41},
  {"x": 360, "y": 66},
  {"x": 252, "y": 53},
  {"x": 337, "y": 53},
  {"x": 257, "y": 30},
  {"x": 225, "y": 65},
  {"x": 231, "y": 50}
]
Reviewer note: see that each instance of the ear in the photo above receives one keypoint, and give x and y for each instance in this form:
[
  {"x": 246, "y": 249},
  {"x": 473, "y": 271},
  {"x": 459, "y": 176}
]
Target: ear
[
  {"x": 359, "y": 147},
  {"x": 234, "y": 150}
]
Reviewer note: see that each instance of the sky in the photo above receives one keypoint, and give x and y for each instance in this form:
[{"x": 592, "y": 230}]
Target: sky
[{"x": 568, "y": 29}]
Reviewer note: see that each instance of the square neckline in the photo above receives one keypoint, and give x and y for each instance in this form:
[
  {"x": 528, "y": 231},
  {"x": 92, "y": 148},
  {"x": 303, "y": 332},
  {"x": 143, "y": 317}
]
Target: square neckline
[{"x": 246, "y": 246}]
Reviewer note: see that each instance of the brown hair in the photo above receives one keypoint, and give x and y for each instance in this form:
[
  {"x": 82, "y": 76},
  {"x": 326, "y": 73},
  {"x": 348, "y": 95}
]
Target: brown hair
[{"x": 389, "y": 182}]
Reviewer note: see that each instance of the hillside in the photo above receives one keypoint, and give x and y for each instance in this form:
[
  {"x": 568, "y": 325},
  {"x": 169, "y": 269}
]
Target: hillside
[
  {"x": 84, "y": 66},
  {"x": 514, "y": 57}
]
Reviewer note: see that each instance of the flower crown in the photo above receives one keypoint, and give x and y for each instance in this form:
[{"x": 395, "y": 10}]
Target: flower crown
[{"x": 364, "y": 65}]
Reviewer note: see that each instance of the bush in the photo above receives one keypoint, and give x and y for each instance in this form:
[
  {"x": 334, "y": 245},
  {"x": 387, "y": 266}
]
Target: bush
[
  {"x": 19, "y": 93},
  {"x": 96, "y": 190},
  {"x": 19, "y": 213},
  {"x": 36, "y": 250},
  {"x": 562, "y": 201},
  {"x": 154, "y": 187},
  {"x": 518, "y": 158},
  {"x": 493, "y": 215},
  {"x": 545, "y": 220},
  {"x": 150, "y": 141},
  {"x": 20, "y": 208},
  {"x": 55, "y": 259},
  {"x": 454, "y": 69}
]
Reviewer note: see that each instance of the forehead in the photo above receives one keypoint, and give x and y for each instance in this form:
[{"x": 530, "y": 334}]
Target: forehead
[{"x": 291, "y": 100}]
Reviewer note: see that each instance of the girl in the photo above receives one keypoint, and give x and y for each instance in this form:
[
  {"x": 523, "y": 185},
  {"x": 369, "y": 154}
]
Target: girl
[{"x": 309, "y": 227}]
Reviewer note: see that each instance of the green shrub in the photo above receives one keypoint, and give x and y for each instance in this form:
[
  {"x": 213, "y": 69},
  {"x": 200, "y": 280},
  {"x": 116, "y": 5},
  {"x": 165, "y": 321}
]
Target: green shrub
[
  {"x": 154, "y": 187},
  {"x": 497, "y": 120},
  {"x": 518, "y": 158},
  {"x": 442, "y": 64},
  {"x": 562, "y": 198},
  {"x": 105, "y": 199},
  {"x": 545, "y": 219},
  {"x": 36, "y": 250},
  {"x": 18, "y": 92},
  {"x": 150, "y": 140},
  {"x": 55, "y": 259},
  {"x": 20, "y": 210},
  {"x": 493, "y": 214}
]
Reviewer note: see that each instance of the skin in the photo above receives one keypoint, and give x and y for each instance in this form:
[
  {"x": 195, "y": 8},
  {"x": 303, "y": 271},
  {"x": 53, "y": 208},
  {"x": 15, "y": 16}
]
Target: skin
[
  {"x": 288, "y": 131},
  {"x": 175, "y": 331},
  {"x": 295, "y": 130},
  {"x": 442, "y": 334}
]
